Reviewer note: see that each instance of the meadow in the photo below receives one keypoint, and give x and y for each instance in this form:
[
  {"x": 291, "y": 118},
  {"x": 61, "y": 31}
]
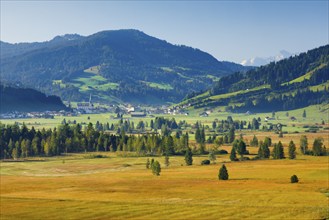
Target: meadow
[{"x": 118, "y": 187}]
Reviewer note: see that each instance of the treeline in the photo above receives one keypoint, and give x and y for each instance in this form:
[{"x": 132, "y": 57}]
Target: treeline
[
  {"x": 16, "y": 142},
  {"x": 240, "y": 147}
]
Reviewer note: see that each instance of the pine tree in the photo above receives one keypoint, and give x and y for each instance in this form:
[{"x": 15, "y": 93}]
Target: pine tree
[
  {"x": 303, "y": 144},
  {"x": 263, "y": 151},
  {"x": 317, "y": 147},
  {"x": 233, "y": 155},
  {"x": 292, "y": 150},
  {"x": 148, "y": 163},
  {"x": 304, "y": 114},
  {"x": 156, "y": 168},
  {"x": 223, "y": 174},
  {"x": 188, "y": 157},
  {"x": 167, "y": 163},
  {"x": 212, "y": 156},
  {"x": 254, "y": 141},
  {"x": 278, "y": 151}
]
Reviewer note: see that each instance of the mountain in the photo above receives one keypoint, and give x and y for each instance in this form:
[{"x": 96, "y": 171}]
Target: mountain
[
  {"x": 11, "y": 50},
  {"x": 259, "y": 61},
  {"x": 291, "y": 83},
  {"x": 27, "y": 100},
  {"x": 123, "y": 65}
]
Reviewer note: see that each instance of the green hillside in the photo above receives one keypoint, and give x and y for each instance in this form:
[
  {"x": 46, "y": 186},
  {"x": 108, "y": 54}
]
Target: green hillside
[{"x": 289, "y": 84}]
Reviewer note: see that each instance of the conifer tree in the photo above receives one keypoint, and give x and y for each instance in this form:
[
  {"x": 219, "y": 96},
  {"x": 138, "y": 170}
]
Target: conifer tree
[
  {"x": 278, "y": 151},
  {"x": 223, "y": 173},
  {"x": 148, "y": 163},
  {"x": 303, "y": 144},
  {"x": 156, "y": 168},
  {"x": 233, "y": 155},
  {"x": 188, "y": 157},
  {"x": 167, "y": 162},
  {"x": 292, "y": 150}
]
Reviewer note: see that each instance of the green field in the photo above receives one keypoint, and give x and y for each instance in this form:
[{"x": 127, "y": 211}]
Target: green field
[
  {"x": 115, "y": 187},
  {"x": 163, "y": 86}
]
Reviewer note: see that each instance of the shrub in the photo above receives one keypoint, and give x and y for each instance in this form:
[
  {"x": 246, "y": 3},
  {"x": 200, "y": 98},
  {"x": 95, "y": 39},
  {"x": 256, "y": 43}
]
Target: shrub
[
  {"x": 222, "y": 152},
  {"x": 294, "y": 179},
  {"x": 205, "y": 162}
]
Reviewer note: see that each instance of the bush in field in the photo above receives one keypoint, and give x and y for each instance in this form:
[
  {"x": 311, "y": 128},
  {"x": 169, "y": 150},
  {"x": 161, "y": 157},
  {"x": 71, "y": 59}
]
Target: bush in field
[
  {"x": 223, "y": 174},
  {"x": 294, "y": 179},
  {"x": 205, "y": 162}
]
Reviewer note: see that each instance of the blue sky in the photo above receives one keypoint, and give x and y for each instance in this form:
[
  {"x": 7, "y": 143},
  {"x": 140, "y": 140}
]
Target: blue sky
[{"x": 229, "y": 30}]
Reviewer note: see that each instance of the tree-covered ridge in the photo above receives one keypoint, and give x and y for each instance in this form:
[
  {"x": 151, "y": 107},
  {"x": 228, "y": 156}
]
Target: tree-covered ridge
[
  {"x": 293, "y": 83},
  {"x": 284, "y": 71},
  {"x": 27, "y": 100},
  {"x": 131, "y": 59}
]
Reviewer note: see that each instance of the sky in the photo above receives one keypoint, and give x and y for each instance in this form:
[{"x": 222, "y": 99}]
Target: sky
[{"x": 228, "y": 30}]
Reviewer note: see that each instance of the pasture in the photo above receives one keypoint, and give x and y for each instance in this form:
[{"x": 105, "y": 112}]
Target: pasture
[{"x": 118, "y": 187}]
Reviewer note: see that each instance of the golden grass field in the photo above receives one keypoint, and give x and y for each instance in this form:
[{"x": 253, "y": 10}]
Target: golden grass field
[{"x": 72, "y": 187}]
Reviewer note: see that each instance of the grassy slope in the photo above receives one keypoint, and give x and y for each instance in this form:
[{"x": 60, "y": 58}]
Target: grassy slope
[
  {"x": 119, "y": 188},
  {"x": 306, "y": 75}
]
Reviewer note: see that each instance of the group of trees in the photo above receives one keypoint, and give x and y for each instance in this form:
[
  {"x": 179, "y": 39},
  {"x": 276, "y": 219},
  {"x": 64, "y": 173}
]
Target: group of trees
[
  {"x": 16, "y": 141},
  {"x": 278, "y": 151}
]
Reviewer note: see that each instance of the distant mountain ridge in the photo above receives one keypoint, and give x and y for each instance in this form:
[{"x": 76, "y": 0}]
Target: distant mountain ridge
[
  {"x": 259, "y": 61},
  {"x": 123, "y": 65},
  {"x": 10, "y": 50}
]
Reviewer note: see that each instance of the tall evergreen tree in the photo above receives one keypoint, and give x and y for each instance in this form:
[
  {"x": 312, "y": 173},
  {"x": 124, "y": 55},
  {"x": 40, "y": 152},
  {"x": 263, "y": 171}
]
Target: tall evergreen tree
[
  {"x": 303, "y": 144},
  {"x": 292, "y": 150},
  {"x": 278, "y": 151},
  {"x": 263, "y": 151},
  {"x": 148, "y": 163},
  {"x": 167, "y": 162},
  {"x": 254, "y": 141},
  {"x": 317, "y": 149},
  {"x": 188, "y": 157},
  {"x": 212, "y": 156},
  {"x": 233, "y": 155},
  {"x": 223, "y": 173},
  {"x": 156, "y": 168}
]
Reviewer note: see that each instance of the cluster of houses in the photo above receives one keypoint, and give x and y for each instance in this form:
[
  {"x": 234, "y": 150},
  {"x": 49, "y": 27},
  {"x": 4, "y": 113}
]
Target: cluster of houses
[{"x": 45, "y": 114}]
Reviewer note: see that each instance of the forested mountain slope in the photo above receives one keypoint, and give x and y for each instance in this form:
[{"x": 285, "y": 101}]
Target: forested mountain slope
[
  {"x": 27, "y": 100},
  {"x": 288, "y": 84},
  {"x": 125, "y": 65}
]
